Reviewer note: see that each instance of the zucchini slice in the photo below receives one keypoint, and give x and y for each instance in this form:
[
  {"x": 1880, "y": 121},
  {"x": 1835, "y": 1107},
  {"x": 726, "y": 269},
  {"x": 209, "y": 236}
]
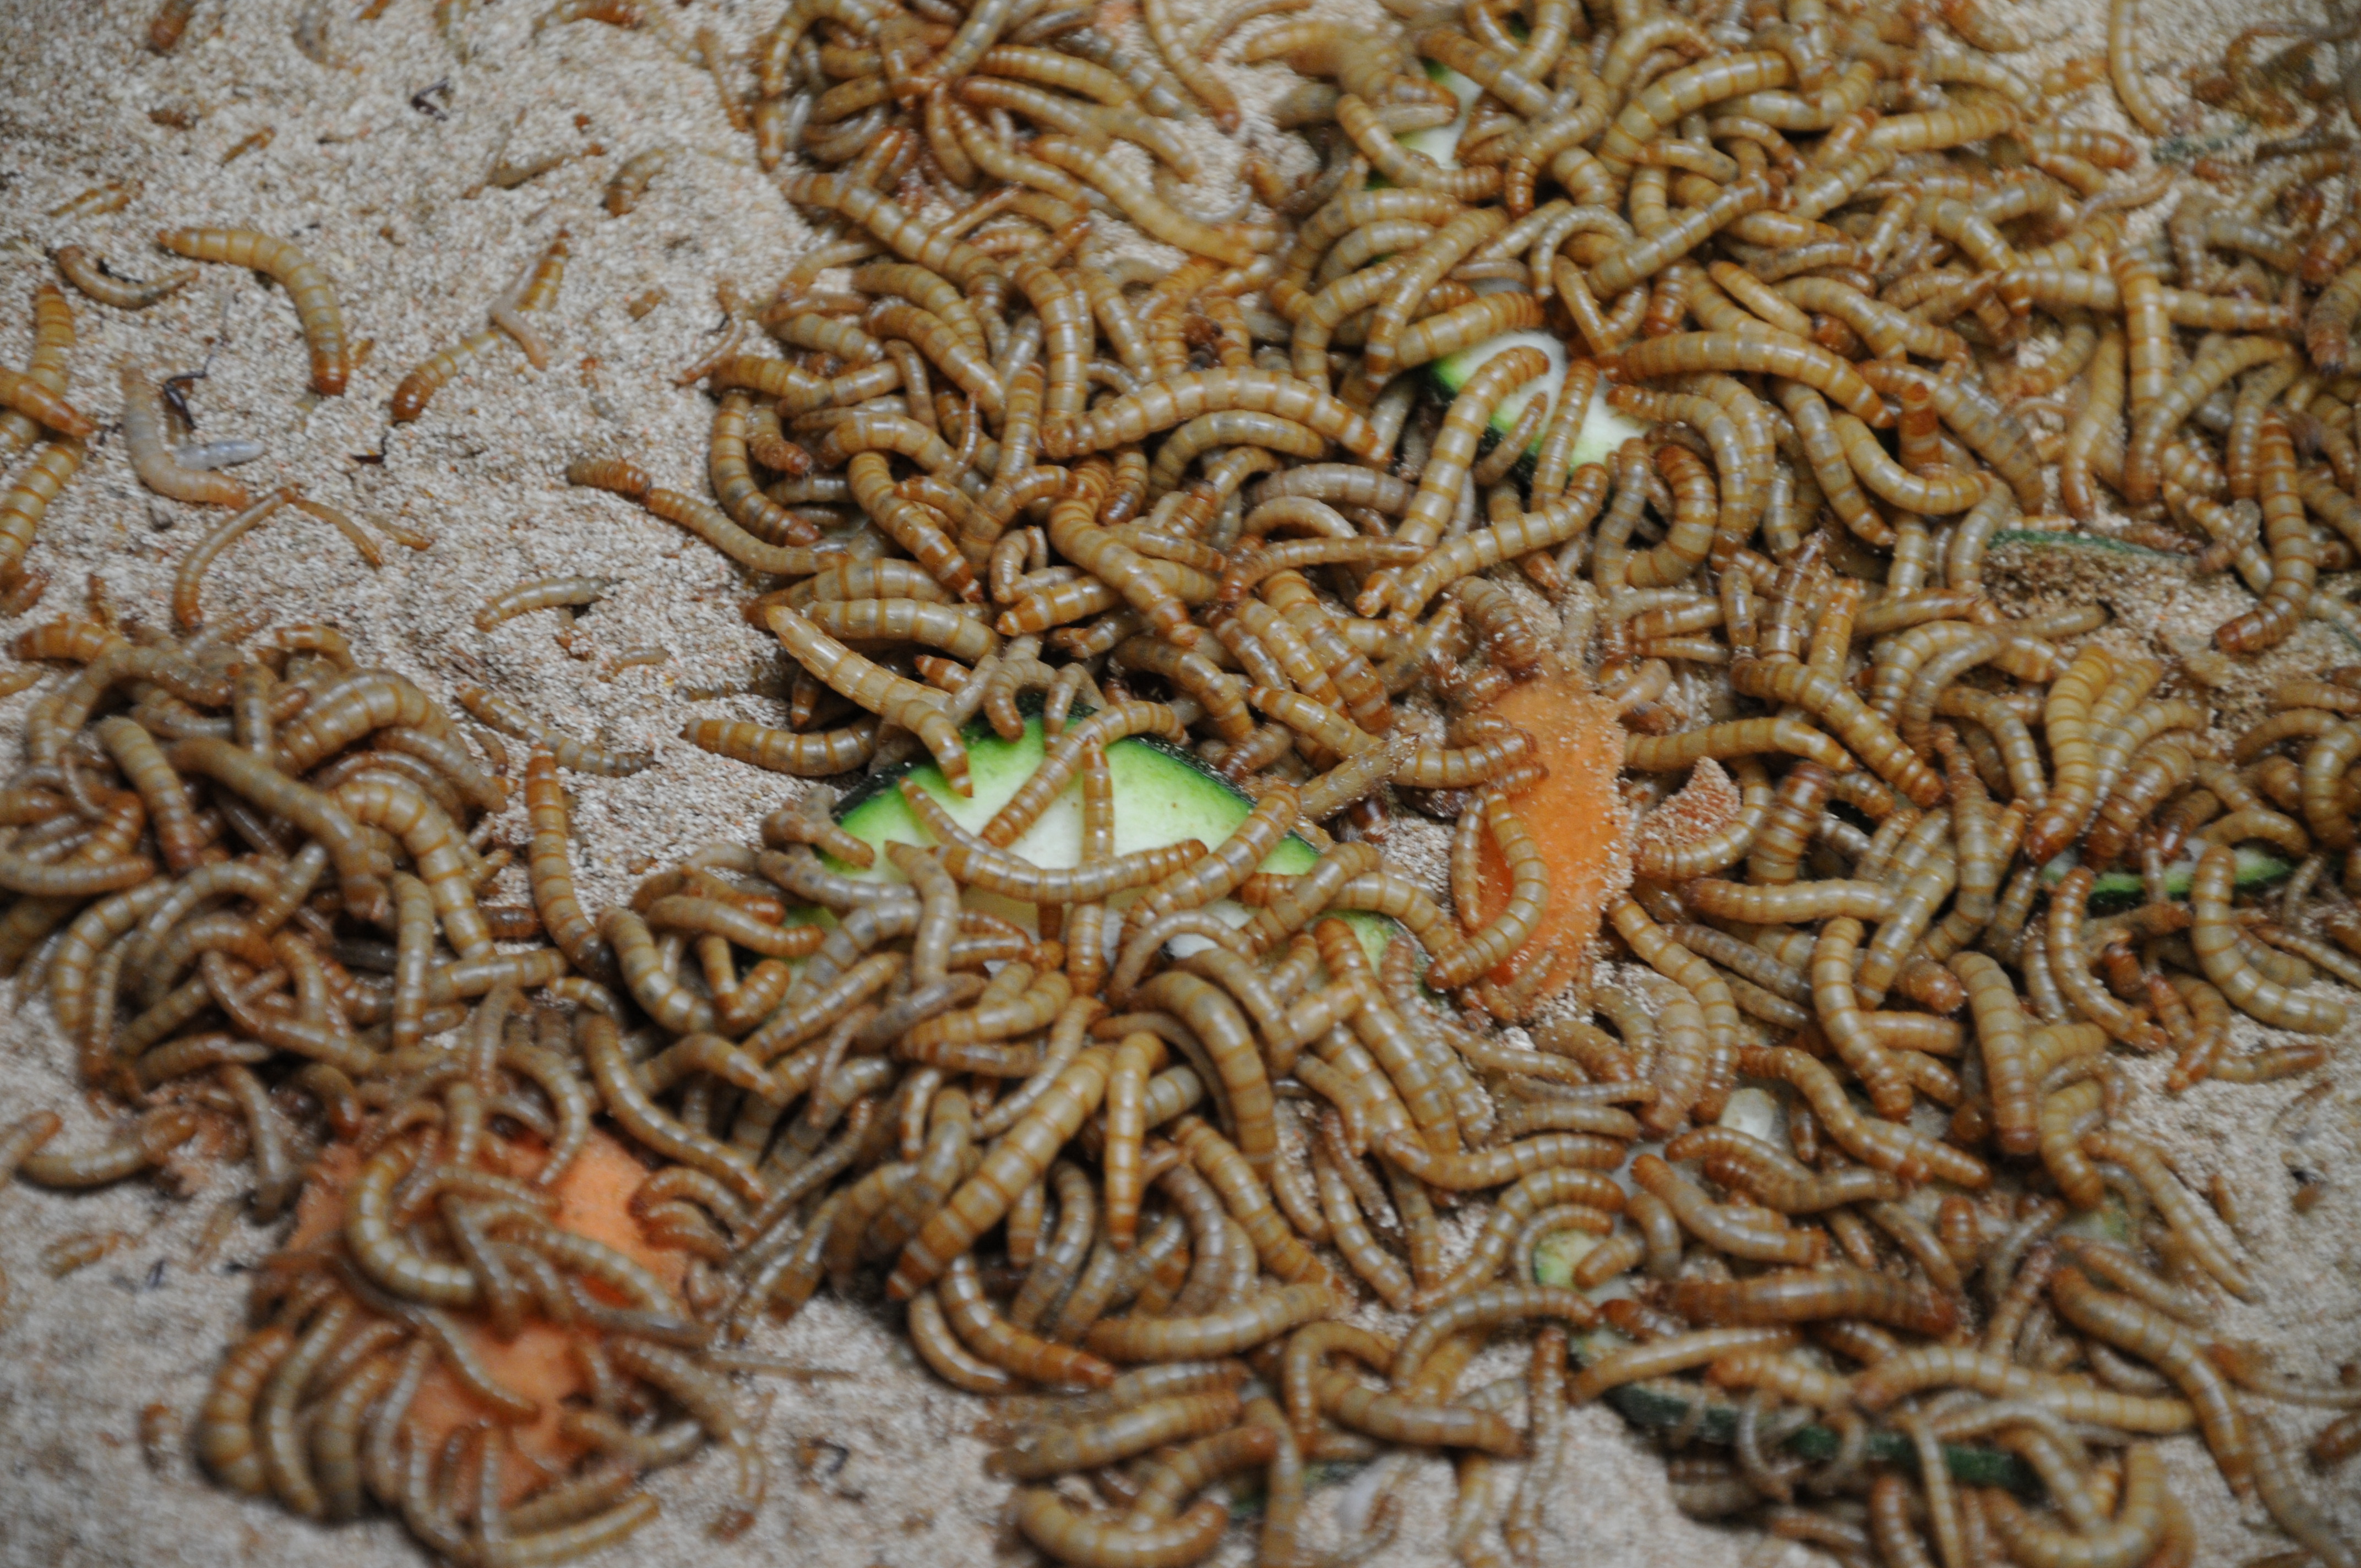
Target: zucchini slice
[
  {"x": 1162, "y": 795},
  {"x": 1441, "y": 143},
  {"x": 1661, "y": 1405},
  {"x": 1603, "y": 430},
  {"x": 2121, "y": 890}
]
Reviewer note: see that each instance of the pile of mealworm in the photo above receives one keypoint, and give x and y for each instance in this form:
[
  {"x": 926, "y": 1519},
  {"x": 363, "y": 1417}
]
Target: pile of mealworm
[{"x": 1841, "y": 1191}]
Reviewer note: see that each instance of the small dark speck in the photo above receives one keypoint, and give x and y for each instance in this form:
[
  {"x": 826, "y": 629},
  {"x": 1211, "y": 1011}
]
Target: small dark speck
[
  {"x": 237, "y": 1266},
  {"x": 424, "y": 100},
  {"x": 155, "y": 1280},
  {"x": 367, "y": 457}
]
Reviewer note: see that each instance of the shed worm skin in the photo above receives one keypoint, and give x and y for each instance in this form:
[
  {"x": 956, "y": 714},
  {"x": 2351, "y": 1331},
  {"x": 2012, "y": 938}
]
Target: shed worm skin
[
  {"x": 580, "y": 756},
  {"x": 306, "y": 284}
]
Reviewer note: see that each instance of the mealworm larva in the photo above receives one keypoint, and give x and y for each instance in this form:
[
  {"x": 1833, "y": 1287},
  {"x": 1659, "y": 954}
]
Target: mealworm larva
[
  {"x": 630, "y": 182},
  {"x": 90, "y": 275},
  {"x": 2214, "y": 937},
  {"x": 1864, "y": 732},
  {"x": 1702, "y": 1347},
  {"x": 315, "y": 297},
  {"x": 53, "y": 343},
  {"x": 1888, "y": 1147},
  {"x": 1719, "y": 1227},
  {"x": 1683, "y": 353},
  {"x": 542, "y": 593},
  {"x": 2140, "y": 1331},
  {"x": 1252, "y": 1321},
  {"x": 976, "y": 864},
  {"x": 1015, "y": 1164},
  {"x": 1003, "y": 1344},
  {"x": 1997, "y": 1377},
  {"x": 951, "y": 1360},
  {"x": 2070, "y": 966},
  {"x": 578, "y": 756},
  {"x": 1800, "y": 1296},
  {"x": 929, "y": 245},
  {"x": 1528, "y": 900},
  {"x": 2294, "y": 554},
  {"x": 550, "y": 872},
  {"x": 1241, "y": 1186},
  {"x": 817, "y": 754},
  {"x": 1775, "y": 1181},
  {"x": 1041, "y": 1452},
  {"x": 618, "y": 1090},
  {"x": 28, "y": 395},
  {"x": 225, "y": 1420},
  {"x": 1062, "y": 1532},
  {"x": 892, "y": 697},
  {"x": 1176, "y": 400},
  {"x": 1735, "y": 737}
]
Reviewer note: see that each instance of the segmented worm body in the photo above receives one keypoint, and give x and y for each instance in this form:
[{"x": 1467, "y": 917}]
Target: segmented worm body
[{"x": 316, "y": 308}]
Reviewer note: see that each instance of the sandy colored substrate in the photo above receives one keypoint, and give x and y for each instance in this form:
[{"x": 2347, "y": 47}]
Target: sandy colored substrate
[{"x": 875, "y": 1463}]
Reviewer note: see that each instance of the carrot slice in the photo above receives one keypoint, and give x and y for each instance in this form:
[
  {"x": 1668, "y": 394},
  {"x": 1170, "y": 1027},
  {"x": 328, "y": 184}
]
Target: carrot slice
[
  {"x": 594, "y": 1200},
  {"x": 1575, "y": 818}
]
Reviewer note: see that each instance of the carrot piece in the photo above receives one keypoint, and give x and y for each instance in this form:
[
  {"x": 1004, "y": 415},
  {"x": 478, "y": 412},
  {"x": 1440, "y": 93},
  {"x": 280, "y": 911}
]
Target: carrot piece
[
  {"x": 594, "y": 1200},
  {"x": 1574, "y": 816}
]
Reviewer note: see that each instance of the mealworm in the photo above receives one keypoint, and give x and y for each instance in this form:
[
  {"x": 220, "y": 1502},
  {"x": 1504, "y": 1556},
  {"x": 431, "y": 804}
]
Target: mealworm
[
  {"x": 2215, "y": 938},
  {"x": 976, "y": 864},
  {"x": 90, "y": 275},
  {"x": 1682, "y": 353},
  {"x": 542, "y": 593},
  {"x": 315, "y": 297},
  {"x": 1637, "y": 1362},
  {"x": 1863, "y": 729},
  {"x": 1802, "y": 1297},
  {"x": 2139, "y": 1331},
  {"x": 629, "y": 183},
  {"x": 1886, "y": 1145},
  {"x": 1775, "y": 1181},
  {"x": 1052, "y": 1524},
  {"x": 1013, "y": 1164},
  {"x": 1240, "y": 1326},
  {"x": 1041, "y": 1452},
  {"x": 1175, "y": 399}
]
